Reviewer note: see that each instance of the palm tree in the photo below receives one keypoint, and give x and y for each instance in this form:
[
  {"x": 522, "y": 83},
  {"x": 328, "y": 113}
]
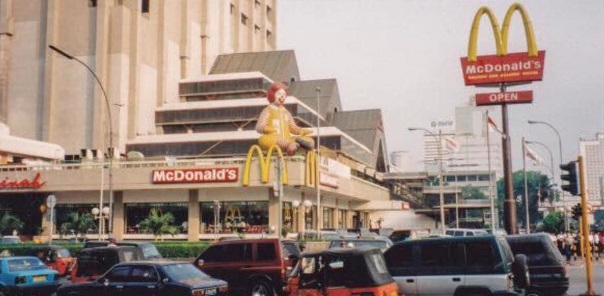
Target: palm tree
[
  {"x": 78, "y": 224},
  {"x": 159, "y": 224},
  {"x": 9, "y": 222}
]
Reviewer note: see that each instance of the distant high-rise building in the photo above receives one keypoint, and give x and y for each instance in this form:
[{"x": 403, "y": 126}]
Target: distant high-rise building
[
  {"x": 401, "y": 160},
  {"x": 593, "y": 155},
  {"x": 139, "y": 50}
]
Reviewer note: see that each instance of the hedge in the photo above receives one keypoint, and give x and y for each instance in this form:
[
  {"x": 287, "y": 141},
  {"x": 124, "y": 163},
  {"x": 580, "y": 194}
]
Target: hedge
[{"x": 168, "y": 249}]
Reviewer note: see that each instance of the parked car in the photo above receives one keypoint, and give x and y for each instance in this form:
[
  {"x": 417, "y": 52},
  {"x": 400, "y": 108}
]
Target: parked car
[
  {"x": 149, "y": 249},
  {"x": 547, "y": 271},
  {"x": 93, "y": 262},
  {"x": 465, "y": 231},
  {"x": 157, "y": 277},
  {"x": 26, "y": 275},
  {"x": 55, "y": 257},
  {"x": 250, "y": 266},
  {"x": 342, "y": 272},
  {"x": 382, "y": 244},
  {"x": 471, "y": 265},
  {"x": 10, "y": 239}
]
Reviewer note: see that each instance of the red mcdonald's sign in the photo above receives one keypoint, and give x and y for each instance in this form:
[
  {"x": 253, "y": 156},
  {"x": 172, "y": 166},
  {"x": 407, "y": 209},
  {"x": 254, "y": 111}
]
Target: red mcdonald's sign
[{"x": 22, "y": 184}]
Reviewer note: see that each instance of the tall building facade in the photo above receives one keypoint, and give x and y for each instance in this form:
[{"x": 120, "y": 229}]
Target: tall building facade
[
  {"x": 139, "y": 49},
  {"x": 592, "y": 151}
]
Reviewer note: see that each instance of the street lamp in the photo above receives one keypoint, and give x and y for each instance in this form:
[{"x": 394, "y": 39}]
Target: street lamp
[
  {"x": 440, "y": 171},
  {"x": 111, "y": 152},
  {"x": 101, "y": 215},
  {"x": 318, "y": 165},
  {"x": 559, "y": 150}
]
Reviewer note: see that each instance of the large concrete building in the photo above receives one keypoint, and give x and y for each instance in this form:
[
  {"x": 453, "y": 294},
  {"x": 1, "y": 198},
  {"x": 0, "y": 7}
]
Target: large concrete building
[
  {"x": 592, "y": 151},
  {"x": 180, "y": 85}
]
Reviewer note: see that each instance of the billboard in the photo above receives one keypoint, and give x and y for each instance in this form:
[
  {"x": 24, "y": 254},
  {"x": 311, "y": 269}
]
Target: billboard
[
  {"x": 516, "y": 97},
  {"x": 503, "y": 66}
]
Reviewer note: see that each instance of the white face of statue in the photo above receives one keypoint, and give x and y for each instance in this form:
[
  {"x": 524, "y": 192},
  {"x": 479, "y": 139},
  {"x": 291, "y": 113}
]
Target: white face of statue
[{"x": 280, "y": 96}]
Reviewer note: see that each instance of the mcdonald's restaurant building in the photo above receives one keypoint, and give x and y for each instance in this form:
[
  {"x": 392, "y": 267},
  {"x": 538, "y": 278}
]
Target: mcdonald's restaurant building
[{"x": 198, "y": 167}]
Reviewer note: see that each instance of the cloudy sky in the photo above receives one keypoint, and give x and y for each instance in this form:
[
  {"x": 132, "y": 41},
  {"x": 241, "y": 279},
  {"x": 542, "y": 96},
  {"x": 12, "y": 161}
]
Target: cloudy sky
[{"x": 402, "y": 56}]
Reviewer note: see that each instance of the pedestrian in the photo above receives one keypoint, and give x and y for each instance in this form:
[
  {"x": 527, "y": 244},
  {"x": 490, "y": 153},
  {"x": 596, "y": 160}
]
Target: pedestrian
[
  {"x": 569, "y": 242},
  {"x": 112, "y": 242}
]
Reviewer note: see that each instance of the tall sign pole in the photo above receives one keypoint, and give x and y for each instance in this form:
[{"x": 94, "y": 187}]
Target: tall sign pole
[{"x": 500, "y": 70}]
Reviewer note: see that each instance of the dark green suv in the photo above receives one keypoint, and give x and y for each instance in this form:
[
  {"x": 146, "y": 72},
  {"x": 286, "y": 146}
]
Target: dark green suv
[{"x": 471, "y": 265}]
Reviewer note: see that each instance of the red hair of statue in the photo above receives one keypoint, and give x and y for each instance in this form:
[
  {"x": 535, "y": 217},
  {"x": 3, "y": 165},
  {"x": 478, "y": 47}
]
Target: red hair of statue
[{"x": 270, "y": 94}]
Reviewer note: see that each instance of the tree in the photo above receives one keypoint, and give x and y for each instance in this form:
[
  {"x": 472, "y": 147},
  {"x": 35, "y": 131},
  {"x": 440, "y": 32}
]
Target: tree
[
  {"x": 553, "y": 223},
  {"x": 159, "y": 224},
  {"x": 471, "y": 192},
  {"x": 538, "y": 184},
  {"x": 78, "y": 224},
  {"x": 8, "y": 223}
]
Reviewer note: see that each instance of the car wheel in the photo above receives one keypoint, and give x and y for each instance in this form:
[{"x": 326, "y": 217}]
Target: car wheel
[
  {"x": 261, "y": 288},
  {"x": 521, "y": 271},
  {"x": 532, "y": 293}
]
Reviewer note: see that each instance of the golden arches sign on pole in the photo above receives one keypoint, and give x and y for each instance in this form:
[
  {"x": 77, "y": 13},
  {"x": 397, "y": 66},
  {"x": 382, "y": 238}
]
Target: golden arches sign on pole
[
  {"x": 503, "y": 67},
  {"x": 264, "y": 163}
]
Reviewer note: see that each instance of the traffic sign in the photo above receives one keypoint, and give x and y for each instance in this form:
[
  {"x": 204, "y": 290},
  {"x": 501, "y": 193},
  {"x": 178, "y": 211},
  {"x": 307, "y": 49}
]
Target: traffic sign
[{"x": 51, "y": 201}]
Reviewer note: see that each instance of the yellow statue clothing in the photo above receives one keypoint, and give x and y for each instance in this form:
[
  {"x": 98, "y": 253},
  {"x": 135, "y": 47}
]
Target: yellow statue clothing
[{"x": 279, "y": 127}]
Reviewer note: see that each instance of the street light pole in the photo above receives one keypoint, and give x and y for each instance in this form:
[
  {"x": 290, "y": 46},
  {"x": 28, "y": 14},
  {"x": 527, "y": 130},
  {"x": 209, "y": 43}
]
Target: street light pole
[
  {"x": 111, "y": 151},
  {"x": 560, "y": 183},
  {"x": 318, "y": 165},
  {"x": 440, "y": 171}
]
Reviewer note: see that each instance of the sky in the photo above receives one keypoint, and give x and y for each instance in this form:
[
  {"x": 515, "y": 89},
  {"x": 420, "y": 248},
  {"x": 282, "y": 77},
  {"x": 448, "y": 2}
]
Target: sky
[{"x": 403, "y": 57}]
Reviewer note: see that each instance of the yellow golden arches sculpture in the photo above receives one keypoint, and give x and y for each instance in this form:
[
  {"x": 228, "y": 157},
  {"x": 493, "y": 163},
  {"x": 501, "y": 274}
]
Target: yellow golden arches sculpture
[
  {"x": 265, "y": 163},
  {"x": 501, "y": 36}
]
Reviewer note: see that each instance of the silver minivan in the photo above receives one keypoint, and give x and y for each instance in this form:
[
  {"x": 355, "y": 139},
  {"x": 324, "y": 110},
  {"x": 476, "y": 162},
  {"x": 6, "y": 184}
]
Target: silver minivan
[{"x": 465, "y": 232}]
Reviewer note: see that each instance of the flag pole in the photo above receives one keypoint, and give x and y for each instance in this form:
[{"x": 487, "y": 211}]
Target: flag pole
[
  {"x": 526, "y": 199},
  {"x": 490, "y": 177}
]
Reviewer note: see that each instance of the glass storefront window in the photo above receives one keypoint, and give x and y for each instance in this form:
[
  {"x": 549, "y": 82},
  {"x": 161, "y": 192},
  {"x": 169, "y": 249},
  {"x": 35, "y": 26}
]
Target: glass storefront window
[
  {"x": 64, "y": 211},
  {"x": 328, "y": 218},
  {"x": 137, "y": 212},
  {"x": 236, "y": 216}
]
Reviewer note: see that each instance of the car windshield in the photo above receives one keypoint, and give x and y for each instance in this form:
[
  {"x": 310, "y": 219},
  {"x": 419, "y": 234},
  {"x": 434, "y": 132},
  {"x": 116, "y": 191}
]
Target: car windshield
[
  {"x": 150, "y": 251},
  {"x": 184, "y": 272},
  {"x": 63, "y": 253},
  {"x": 11, "y": 240},
  {"x": 25, "y": 264}
]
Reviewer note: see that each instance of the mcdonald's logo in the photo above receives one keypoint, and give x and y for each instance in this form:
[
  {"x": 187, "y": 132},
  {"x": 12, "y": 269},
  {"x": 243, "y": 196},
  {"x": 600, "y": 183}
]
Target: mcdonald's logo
[
  {"x": 265, "y": 163},
  {"x": 504, "y": 66}
]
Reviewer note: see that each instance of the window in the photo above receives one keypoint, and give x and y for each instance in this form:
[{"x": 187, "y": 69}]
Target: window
[
  {"x": 268, "y": 10},
  {"x": 269, "y": 34},
  {"x": 480, "y": 256},
  {"x": 119, "y": 274},
  {"x": 256, "y": 29},
  {"x": 145, "y": 6},
  {"x": 92, "y": 3},
  {"x": 434, "y": 255},
  {"x": 244, "y": 19},
  {"x": 266, "y": 252},
  {"x": 238, "y": 252},
  {"x": 143, "y": 274},
  {"x": 232, "y": 9},
  {"x": 256, "y": 4},
  {"x": 400, "y": 256}
]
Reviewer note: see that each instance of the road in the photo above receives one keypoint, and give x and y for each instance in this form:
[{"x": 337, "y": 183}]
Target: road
[{"x": 578, "y": 277}]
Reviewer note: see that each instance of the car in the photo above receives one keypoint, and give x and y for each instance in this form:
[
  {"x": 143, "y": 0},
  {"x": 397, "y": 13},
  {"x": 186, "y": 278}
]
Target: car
[
  {"x": 55, "y": 257},
  {"x": 465, "y": 231},
  {"x": 250, "y": 266},
  {"x": 156, "y": 277},
  {"x": 93, "y": 262},
  {"x": 10, "y": 239},
  {"x": 342, "y": 272},
  {"x": 470, "y": 265},
  {"x": 546, "y": 265},
  {"x": 149, "y": 249},
  {"x": 26, "y": 275},
  {"x": 382, "y": 244}
]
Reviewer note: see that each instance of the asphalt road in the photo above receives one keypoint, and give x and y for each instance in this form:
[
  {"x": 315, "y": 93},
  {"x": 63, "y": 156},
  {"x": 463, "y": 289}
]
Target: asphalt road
[{"x": 578, "y": 277}]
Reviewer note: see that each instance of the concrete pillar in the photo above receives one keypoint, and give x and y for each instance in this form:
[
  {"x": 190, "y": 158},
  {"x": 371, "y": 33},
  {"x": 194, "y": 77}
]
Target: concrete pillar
[
  {"x": 273, "y": 211},
  {"x": 118, "y": 215},
  {"x": 194, "y": 216}
]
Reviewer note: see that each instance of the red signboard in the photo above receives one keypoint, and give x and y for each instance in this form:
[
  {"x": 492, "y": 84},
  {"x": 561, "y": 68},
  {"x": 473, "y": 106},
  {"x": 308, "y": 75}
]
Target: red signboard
[
  {"x": 500, "y": 98},
  {"x": 22, "y": 184},
  {"x": 205, "y": 175},
  {"x": 513, "y": 67}
]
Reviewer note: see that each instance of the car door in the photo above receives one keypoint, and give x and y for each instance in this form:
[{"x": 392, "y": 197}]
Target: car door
[
  {"x": 142, "y": 281},
  {"x": 401, "y": 265},
  {"x": 436, "y": 275},
  {"x": 115, "y": 281}
]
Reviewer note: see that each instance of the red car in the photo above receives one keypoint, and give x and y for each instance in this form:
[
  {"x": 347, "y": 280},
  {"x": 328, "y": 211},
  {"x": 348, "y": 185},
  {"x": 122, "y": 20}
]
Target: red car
[{"x": 55, "y": 257}]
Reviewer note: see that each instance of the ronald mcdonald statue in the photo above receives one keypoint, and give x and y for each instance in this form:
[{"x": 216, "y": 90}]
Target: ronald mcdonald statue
[{"x": 277, "y": 125}]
